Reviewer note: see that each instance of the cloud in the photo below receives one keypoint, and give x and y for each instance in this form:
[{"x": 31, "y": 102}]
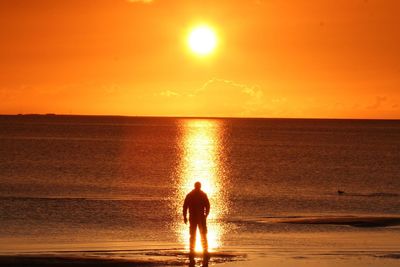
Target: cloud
[
  {"x": 378, "y": 102},
  {"x": 168, "y": 93},
  {"x": 218, "y": 97},
  {"x": 239, "y": 98},
  {"x": 220, "y": 83}
]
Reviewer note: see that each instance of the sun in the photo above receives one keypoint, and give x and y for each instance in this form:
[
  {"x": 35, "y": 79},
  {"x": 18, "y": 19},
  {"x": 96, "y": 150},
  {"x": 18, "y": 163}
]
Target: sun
[{"x": 202, "y": 40}]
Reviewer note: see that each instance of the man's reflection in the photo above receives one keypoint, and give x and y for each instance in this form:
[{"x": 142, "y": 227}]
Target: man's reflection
[{"x": 192, "y": 261}]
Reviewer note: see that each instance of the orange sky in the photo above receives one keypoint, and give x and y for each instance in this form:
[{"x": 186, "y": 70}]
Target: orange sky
[{"x": 292, "y": 58}]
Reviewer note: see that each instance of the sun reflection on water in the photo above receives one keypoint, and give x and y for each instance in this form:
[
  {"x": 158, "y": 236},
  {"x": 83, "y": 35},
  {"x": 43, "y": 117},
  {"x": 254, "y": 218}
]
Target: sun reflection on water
[{"x": 200, "y": 162}]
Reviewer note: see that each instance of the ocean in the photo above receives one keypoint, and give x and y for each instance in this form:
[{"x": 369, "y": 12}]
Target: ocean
[{"x": 114, "y": 186}]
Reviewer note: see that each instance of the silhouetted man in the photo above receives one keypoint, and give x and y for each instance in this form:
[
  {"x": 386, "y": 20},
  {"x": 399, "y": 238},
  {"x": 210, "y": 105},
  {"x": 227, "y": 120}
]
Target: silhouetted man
[{"x": 199, "y": 208}]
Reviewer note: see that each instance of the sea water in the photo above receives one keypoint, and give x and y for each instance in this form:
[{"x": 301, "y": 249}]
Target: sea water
[{"x": 87, "y": 182}]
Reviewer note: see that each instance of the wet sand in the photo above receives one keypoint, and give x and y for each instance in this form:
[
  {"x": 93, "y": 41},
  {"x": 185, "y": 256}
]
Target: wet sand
[
  {"x": 255, "y": 260},
  {"x": 59, "y": 261},
  {"x": 359, "y": 241},
  {"x": 143, "y": 258},
  {"x": 334, "y": 261}
]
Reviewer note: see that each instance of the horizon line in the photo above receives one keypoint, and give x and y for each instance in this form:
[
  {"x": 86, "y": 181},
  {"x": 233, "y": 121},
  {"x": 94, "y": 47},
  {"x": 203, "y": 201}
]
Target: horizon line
[{"x": 195, "y": 117}]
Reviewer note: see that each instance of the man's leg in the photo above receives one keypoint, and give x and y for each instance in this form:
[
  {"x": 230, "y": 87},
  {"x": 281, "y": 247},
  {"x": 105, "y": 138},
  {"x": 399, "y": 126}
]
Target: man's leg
[
  {"x": 192, "y": 231},
  {"x": 203, "y": 233}
]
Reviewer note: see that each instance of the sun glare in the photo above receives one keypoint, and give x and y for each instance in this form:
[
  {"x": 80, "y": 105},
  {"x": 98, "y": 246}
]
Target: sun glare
[
  {"x": 202, "y": 40},
  {"x": 200, "y": 162}
]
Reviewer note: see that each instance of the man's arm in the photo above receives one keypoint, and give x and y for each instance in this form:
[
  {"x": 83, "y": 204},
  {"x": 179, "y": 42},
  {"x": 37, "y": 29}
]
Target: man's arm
[
  {"x": 207, "y": 206},
  {"x": 185, "y": 208}
]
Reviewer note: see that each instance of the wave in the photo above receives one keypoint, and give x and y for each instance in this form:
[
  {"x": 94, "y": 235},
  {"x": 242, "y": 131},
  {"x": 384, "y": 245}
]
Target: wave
[
  {"x": 390, "y": 256},
  {"x": 62, "y": 198},
  {"x": 354, "y": 221},
  {"x": 377, "y": 194}
]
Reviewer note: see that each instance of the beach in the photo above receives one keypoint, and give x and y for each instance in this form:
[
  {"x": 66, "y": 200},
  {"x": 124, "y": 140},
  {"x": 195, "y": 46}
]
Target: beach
[{"x": 331, "y": 249}]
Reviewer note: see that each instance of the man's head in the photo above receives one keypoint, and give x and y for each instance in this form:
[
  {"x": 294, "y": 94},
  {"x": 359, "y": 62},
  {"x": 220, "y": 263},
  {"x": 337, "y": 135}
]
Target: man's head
[{"x": 197, "y": 185}]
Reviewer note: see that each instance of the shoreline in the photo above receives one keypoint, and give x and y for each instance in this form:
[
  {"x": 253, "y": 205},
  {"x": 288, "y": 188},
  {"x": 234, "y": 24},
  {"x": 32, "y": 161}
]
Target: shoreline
[
  {"x": 131, "y": 258},
  {"x": 225, "y": 259}
]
